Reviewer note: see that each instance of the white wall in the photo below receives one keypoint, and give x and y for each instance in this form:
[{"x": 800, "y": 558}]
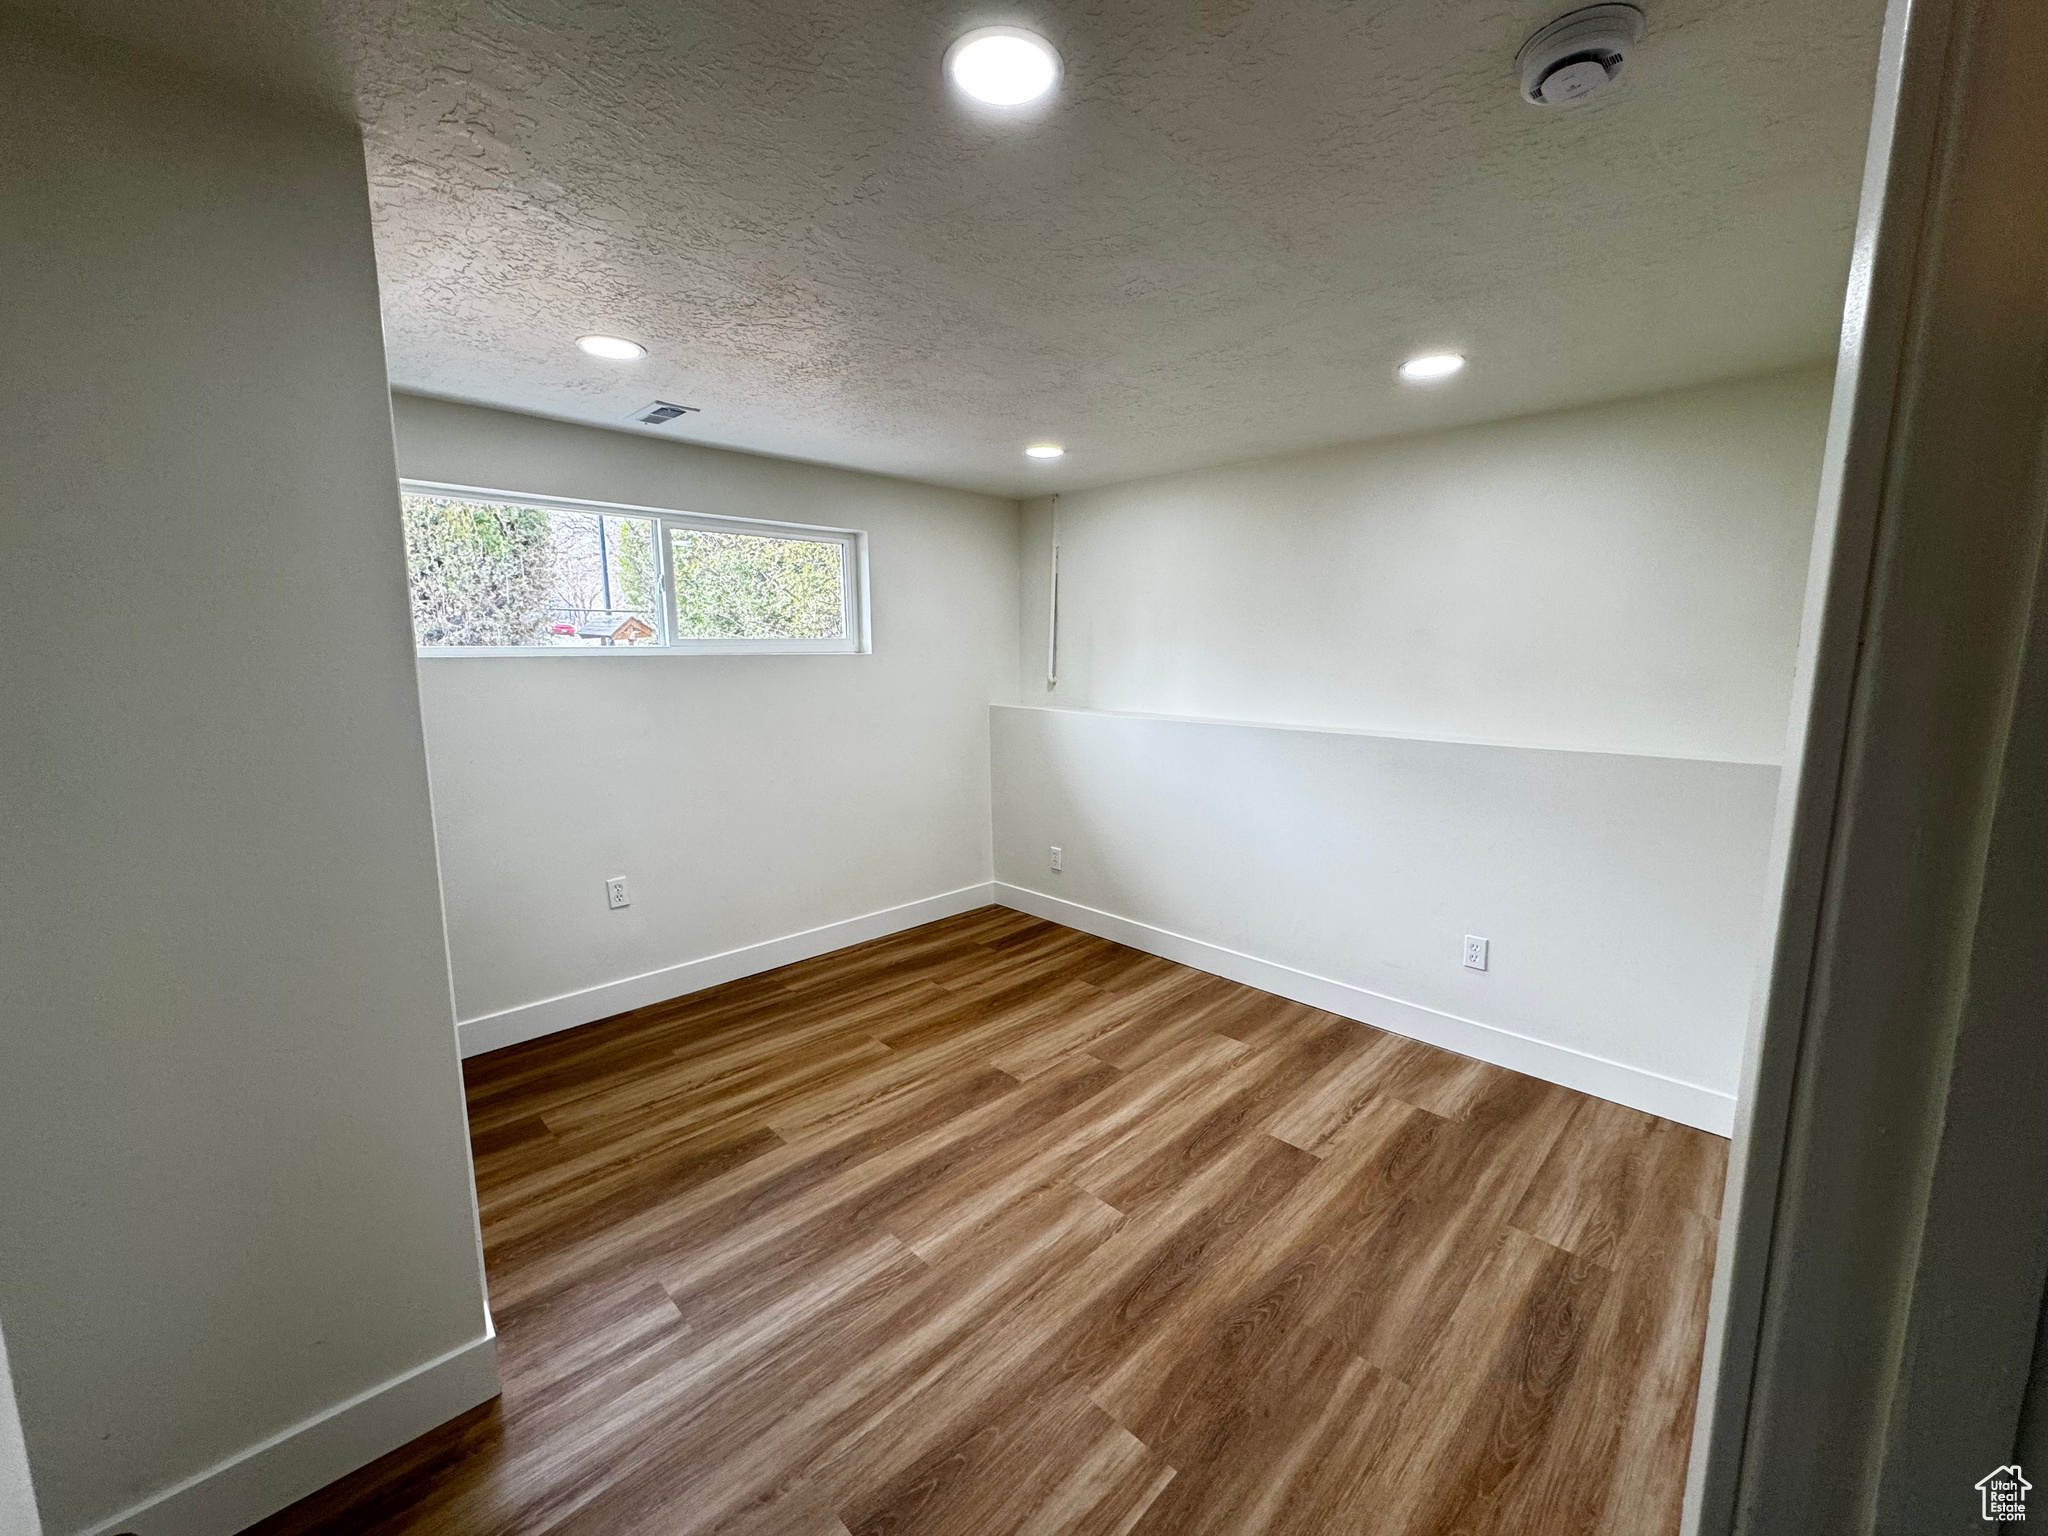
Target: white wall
[
  {"x": 1641, "y": 607},
  {"x": 1625, "y": 578},
  {"x": 1525, "y": 680},
  {"x": 234, "y": 1182},
  {"x": 1620, "y": 892},
  {"x": 747, "y": 798},
  {"x": 18, "y": 1516}
]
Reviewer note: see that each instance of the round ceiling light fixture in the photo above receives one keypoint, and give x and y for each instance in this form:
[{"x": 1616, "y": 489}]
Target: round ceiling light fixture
[
  {"x": 1431, "y": 366},
  {"x": 612, "y": 348},
  {"x": 1578, "y": 54},
  {"x": 1045, "y": 451},
  {"x": 1003, "y": 66}
]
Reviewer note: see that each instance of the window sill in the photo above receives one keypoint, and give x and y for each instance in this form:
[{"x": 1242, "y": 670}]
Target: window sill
[{"x": 707, "y": 648}]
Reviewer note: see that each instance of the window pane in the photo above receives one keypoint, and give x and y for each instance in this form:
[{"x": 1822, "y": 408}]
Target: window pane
[
  {"x": 604, "y": 581},
  {"x": 491, "y": 573},
  {"x": 746, "y": 586}
]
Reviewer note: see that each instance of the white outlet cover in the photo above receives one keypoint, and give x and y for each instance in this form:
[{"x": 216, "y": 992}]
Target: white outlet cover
[
  {"x": 615, "y": 893},
  {"x": 1475, "y": 952},
  {"x": 1057, "y": 854}
]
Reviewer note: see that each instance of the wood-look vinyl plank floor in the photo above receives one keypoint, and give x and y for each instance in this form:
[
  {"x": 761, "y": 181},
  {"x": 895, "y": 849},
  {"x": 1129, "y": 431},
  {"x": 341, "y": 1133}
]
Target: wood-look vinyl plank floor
[{"x": 992, "y": 1228}]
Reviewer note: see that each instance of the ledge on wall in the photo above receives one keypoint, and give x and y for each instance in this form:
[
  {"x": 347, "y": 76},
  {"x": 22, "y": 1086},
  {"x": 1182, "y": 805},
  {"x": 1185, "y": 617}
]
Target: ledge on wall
[{"x": 1441, "y": 738}]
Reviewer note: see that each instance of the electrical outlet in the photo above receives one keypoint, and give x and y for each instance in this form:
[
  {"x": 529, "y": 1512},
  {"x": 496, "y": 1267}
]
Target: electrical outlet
[
  {"x": 615, "y": 893},
  {"x": 1056, "y": 861},
  {"x": 1475, "y": 952}
]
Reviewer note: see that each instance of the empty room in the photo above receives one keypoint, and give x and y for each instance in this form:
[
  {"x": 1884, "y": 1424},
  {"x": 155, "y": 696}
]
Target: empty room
[{"x": 826, "y": 768}]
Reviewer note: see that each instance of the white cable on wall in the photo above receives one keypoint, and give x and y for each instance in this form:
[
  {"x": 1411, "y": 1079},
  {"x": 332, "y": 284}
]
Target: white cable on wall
[{"x": 1052, "y": 627}]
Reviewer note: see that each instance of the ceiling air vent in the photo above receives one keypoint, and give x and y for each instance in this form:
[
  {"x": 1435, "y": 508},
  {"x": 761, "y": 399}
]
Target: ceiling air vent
[{"x": 661, "y": 413}]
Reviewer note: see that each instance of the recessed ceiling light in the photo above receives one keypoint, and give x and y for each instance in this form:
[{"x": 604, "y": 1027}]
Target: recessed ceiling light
[
  {"x": 1044, "y": 451},
  {"x": 1003, "y": 66},
  {"x": 1431, "y": 366},
  {"x": 616, "y": 348}
]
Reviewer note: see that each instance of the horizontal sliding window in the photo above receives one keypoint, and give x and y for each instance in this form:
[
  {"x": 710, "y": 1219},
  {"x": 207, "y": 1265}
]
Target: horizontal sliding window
[
  {"x": 757, "y": 586},
  {"x": 496, "y": 573}
]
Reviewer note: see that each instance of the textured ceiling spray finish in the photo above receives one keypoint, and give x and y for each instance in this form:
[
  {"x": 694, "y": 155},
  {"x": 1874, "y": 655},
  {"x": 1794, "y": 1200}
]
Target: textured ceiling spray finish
[{"x": 1215, "y": 240}]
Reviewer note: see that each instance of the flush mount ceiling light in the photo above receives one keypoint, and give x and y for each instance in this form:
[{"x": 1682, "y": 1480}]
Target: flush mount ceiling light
[
  {"x": 1003, "y": 66},
  {"x": 1044, "y": 451},
  {"x": 614, "y": 348},
  {"x": 1431, "y": 366}
]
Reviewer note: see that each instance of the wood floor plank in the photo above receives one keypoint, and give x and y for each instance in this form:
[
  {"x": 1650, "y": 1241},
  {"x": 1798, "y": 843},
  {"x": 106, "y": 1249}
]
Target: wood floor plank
[
  {"x": 1337, "y": 1095},
  {"x": 1254, "y": 1090},
  {"x": 995, "y": 1227},
  {"x": 1154, "y": 1018},
  {"x": 889, "y": 1189},
  {"x": 1054, "y": 1462},
  {"x": 1253, "y": 1296},
  {"x": 1291, "y": 1449},
  {"x": 1593, "y": 1183},
  {"x": 595, "y": 1194},
  {"x": 1645, "y": 1354},
  {"x": 1406, "y": 1279},
  {"x": 1516, "y": 1344},
  {"x": 1064, "y": 1333},
  {"x": 789, "y": 1404},
  {"x": 1130, "y": 1113}
]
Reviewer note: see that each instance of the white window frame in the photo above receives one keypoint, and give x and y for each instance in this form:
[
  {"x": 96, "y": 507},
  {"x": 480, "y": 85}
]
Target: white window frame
[{"x": 853, "y": 571}]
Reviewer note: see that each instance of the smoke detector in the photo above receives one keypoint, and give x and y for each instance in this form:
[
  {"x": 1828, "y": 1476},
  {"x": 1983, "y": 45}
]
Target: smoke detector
[{"x": 1577, "y": 54}]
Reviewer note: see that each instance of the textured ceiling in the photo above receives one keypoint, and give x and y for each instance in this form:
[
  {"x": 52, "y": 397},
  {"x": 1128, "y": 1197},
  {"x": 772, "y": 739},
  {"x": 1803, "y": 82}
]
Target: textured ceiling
[{"x": 1216, "y": 241}]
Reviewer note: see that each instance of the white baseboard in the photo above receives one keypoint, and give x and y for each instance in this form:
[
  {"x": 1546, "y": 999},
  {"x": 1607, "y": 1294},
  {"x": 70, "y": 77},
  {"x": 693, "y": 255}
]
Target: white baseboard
[
  {"x": 529, "y": 1021},
  {"x": 1687, "y": 1103},
  {"x": 278, "y": 1472}
]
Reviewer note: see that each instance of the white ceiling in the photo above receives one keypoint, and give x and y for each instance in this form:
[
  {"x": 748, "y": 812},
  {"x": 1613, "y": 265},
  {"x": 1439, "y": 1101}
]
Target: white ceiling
[{"x": 1216, "y": 241}]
